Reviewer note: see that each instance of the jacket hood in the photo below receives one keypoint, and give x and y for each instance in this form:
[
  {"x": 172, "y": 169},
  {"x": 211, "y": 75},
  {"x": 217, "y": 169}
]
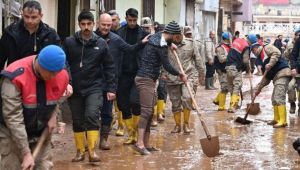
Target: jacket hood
[{"x": 91, "y": 41}]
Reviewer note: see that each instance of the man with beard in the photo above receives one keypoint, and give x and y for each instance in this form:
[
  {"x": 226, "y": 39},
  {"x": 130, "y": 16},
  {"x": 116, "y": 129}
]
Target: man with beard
[
  {"x": 116, "y": 45},
  {"x": 155, "y": 55},
  {"x": 91, "y": 65},
  {"x": 127, "y": 95},
  {"x": 193, "y": 66}
]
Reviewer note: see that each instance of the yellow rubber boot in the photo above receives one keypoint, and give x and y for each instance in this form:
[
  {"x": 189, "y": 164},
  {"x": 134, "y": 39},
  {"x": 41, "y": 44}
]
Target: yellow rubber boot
[
  {"x": 233, "y": 103},
  {"x": 282, "y": 117},
  {"x": 160, "y": 110},
  {"x": 120, "y": 130},
  {"x": 92, "y": 140},
  {"x": 217, "y": 99},
  {"x": 79, "y": 142},
  {"x": 154, "y": 118},
  {"x": 177, "y": 118},
  {"x": 222, "y": 101},
  {"x": 129, "y": 125},
  {"x": 135, "y": 122},
  {"x": 186, "y": 118},
  {"x": 276, "y": 116}
]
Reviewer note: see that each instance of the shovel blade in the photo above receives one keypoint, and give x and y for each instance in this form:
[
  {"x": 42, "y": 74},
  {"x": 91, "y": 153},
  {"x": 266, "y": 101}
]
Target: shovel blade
[
  {"x": 254, "y": 108},
  {"x": 210, "y": 146},
  {"x": 242, "y": 121}
]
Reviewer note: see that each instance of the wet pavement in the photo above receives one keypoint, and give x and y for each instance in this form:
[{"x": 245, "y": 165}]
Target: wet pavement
[{"x": 254, "y": 146}]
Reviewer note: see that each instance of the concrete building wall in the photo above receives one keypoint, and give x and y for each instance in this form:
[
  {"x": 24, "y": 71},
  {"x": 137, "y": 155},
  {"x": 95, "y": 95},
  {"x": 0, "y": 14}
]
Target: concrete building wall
[
  {"x": 49, "y": 9},
  {"x": 122, "y": 6},
  {"x": 172, "y": 10},
  {"x": 160, "y": 11}
]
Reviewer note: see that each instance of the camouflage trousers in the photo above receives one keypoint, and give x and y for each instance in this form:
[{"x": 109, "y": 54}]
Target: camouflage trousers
[
  {"x": 279, "y": 91},
  {"x": 234, "y": 80},
  {"x": 293, "y": 88},
  {"x": 11, "y": 157},
  {"x": 223, "y": 81},
  {"x": 180, "y": 97}
]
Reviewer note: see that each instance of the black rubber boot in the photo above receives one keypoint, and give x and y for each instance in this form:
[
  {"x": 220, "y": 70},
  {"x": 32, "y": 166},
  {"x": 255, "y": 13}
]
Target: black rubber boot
[{"x": 293, "y": 108}]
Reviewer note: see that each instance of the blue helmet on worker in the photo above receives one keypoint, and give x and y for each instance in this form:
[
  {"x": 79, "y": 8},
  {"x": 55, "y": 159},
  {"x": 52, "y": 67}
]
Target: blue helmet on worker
[
  {"x": 226, "y": 35},
  {"x": 252, "y": 38}
]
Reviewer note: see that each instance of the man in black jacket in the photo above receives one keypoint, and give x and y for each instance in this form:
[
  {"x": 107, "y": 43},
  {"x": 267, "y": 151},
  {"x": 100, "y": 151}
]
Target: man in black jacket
[
  {"x": 27, "y": 36},
  {"x": 127, "y": 95},
  {"x": 116, "y": 45},
  {"x": 90, "y": 66}
]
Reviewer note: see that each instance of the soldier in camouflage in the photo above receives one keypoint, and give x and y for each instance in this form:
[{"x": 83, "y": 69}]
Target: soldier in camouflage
[{"x": 193, "y": 66}]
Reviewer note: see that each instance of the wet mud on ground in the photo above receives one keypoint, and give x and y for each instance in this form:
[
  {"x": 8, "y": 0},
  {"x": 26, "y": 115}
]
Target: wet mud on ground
[{"x": 254, "y": 146}]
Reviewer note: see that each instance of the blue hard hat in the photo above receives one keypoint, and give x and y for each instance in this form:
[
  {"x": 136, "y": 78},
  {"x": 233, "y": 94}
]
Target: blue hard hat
[
  {"x": 297, "y": 31},
  {"x": 52, "y": 58},
  {"x": 226, "y": 35},
  {"x": 252, "y": 38},
  {"x": 123, "y": 23}
]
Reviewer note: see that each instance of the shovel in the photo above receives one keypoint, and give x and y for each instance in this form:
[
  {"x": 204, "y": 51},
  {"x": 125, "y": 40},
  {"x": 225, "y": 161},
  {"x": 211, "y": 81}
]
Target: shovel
[
  {"x": 210, "y": 144},
  {"x": 40, "y": 143},
  {"x": 244, "y": 120}
]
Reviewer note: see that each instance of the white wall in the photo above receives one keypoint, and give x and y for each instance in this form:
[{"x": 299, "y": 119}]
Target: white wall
[{"x": 49, "y": 9}]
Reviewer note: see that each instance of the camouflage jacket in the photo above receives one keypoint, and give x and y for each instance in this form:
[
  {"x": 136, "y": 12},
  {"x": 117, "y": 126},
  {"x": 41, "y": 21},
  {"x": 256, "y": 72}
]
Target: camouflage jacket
[
  {"x": 190, "y": 59},
  {"x": 209, "y": 50}
]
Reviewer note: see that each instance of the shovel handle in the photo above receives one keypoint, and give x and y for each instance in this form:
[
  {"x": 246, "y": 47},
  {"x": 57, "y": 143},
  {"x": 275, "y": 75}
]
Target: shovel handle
[
  {"x": 40, "y": 143},
  {"x": 192, "y": 96}
]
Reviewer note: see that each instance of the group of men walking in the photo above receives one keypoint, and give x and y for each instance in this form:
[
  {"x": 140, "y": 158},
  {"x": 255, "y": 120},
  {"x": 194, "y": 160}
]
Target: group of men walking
[{"x": 131, "y": 68}]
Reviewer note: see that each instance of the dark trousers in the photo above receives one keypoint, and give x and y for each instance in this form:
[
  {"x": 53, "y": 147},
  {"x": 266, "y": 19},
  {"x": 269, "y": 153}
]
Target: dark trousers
[
  {"x": 146, "y": 88},
  {"x": 127, "y": 97},
  {"x": 106, "y": 115},
  {"x": 85, "y": 111},
  {"x": 210, "y": 70},
  {"x": 162, "y": 90}
]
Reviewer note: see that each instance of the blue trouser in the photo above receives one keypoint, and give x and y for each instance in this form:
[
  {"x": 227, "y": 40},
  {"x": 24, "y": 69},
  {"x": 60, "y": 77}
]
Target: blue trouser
[{"x": 106, "y": 115}]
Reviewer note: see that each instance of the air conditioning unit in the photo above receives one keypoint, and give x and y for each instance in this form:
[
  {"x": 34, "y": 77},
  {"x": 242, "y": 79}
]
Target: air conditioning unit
[{"x": 199, "y": 1}]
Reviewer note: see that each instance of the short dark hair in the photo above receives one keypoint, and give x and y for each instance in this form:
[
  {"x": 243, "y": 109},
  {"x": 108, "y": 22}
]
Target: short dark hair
[
  {"x": 33, "y": 5},
  {"x": 279, "y": 36},
  {"x": 132, "y": 12},
  {"x": 258, "y": 36},
  {"x": 237, "y": 33},
  {"x": 85, "y": 14}
]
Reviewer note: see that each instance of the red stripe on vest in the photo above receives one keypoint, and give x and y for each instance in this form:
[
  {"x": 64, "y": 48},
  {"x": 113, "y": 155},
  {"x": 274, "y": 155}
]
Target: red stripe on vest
[
  {"x": 239, "y": 45},
  {"x": 26, "y": 82}
]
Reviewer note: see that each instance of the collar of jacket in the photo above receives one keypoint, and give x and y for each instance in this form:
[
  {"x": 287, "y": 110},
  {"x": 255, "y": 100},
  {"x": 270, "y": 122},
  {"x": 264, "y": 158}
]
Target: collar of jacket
[{"x": 91, "y": 42}]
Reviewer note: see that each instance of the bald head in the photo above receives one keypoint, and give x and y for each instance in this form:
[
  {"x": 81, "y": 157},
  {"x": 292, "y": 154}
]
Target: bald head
[{"x": 105, "y": 23}]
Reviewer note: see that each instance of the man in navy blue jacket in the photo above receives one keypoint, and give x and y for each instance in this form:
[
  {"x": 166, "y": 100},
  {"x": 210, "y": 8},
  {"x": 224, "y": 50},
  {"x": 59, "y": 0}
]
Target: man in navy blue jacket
[{"x": 116, "y": 45}]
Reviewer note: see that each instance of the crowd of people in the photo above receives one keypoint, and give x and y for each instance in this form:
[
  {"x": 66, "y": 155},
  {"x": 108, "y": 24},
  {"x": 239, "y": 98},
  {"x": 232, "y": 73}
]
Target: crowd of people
[{"x": 128, "y": 67}]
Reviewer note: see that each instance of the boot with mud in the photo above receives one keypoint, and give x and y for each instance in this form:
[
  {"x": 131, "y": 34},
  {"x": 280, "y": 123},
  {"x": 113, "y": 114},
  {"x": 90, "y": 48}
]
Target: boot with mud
[
  {"x": 222, "y": 101},
  {"x": 282, "y": 117},
  {"x": 120, "y": 130},
  {"x": 293, "y": 108},
  {"x": 92, "y": 140},
  {"x": 217, "y": 99},
  {"x": 129, "y": 125},
  {"x": 233, "y": 103},
  {"x": 276, "y": 116},
  {"x": 104, "y": 145},
  {"x": 154, "y": 118},
  {"x": 79, "y": 142},
  {"x": 160, "y": 110},
  {"x": 212, "y": 83},
  {"x": 208, "y": 84},
  {"x": 135, "y": 122},
  {"x": 177, "y": 118},
  {"x": 186, "y": 118}
]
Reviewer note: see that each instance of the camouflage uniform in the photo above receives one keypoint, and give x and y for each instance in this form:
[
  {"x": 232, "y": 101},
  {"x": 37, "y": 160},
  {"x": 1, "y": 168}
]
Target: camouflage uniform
[
  {"x": 280, "y": 79},
  {"x": 192, "y": 64},
  {"x": 238, "y": 60},
  {"x": 294, "y": 84},
  {"x": 210, "y": 69},
  {"x": 12, "y": 153},
  {"x": 220, "y": 62}
]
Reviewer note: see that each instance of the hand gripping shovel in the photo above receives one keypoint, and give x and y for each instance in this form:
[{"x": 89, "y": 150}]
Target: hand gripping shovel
[{"x": 210, "y": 144}]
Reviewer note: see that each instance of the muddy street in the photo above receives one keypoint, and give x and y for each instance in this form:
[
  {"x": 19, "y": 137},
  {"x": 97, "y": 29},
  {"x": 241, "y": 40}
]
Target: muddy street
[{"x": 254, "y": 146}]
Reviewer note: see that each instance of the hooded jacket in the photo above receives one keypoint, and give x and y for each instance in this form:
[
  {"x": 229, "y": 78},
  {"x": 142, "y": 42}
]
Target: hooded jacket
[
  {"x": 154, "y": 56},
  {"x": 90, "y": 63}
]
